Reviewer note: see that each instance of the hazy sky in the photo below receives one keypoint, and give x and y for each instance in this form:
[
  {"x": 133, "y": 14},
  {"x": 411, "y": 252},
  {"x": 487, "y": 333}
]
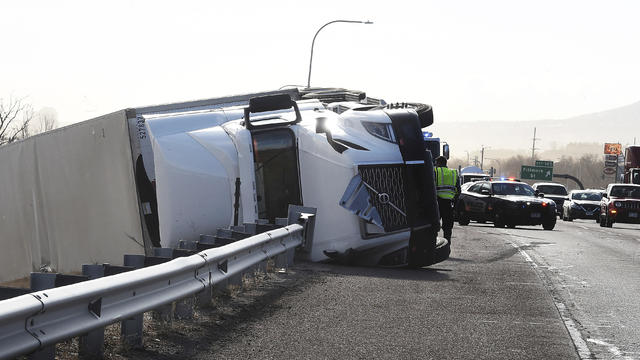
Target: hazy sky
[{"x": 472, "y": 60}]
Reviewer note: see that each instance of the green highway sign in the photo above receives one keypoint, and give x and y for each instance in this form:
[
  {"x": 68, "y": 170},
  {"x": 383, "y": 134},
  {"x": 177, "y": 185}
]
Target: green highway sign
[
  {"x": 544, "y": 163},
  {"x": 536, "y": 172}
]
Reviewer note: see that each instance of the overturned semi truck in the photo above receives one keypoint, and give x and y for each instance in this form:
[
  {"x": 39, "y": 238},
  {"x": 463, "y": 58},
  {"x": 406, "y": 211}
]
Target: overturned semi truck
[{"x": 152, "y": 176}]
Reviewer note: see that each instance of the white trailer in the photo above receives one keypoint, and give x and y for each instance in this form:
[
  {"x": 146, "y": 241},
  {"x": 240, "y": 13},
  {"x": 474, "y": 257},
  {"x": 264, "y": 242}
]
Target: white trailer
[{"x": 153, "y": 176}]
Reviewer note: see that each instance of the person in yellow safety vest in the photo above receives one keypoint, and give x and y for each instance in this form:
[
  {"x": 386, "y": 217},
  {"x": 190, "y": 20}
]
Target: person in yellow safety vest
[{"x": 447, "y": 189}]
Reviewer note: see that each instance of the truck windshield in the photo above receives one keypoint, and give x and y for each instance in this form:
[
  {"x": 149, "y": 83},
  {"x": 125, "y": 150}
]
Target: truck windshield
[
  {"x": 512, "y": 189},
  {"x": 586, "y": 196},
  {"x": 552, "y": 189},
  {"x": 632, "y": 192}
]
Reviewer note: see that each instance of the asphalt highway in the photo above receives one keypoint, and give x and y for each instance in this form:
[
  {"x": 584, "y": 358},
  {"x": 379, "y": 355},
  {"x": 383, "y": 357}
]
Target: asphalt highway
[
  {"x": 523, "y": 293},
  {"x": 489, "y": 301},
  {"x": 593, "y": 274}
]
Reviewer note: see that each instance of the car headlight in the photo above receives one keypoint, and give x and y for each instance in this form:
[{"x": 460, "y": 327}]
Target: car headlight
[
  {"x": 380, "y": 130},
  {"x": 617, "y": 204}
]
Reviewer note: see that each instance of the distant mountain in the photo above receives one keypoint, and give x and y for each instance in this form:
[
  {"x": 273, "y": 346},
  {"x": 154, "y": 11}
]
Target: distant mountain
[{"x": 616, "y": 125}]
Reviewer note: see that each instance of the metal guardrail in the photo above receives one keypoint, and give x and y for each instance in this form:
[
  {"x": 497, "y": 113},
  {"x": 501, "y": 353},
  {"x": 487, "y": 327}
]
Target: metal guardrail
[{"x": 43, "y": 318}]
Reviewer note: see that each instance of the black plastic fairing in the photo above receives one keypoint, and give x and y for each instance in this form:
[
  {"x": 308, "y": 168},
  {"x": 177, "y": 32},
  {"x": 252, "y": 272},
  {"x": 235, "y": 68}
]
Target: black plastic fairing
[
  {"x": 408, "y": 133},
  {"x": 422, "y": 206}
]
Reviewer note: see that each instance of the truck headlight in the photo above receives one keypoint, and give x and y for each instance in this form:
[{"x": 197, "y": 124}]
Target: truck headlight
[{"x": 380, "y": 130}]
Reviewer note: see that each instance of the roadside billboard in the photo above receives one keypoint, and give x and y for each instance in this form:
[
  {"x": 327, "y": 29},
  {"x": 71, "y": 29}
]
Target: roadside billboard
[{"x": 612, "y": 148}]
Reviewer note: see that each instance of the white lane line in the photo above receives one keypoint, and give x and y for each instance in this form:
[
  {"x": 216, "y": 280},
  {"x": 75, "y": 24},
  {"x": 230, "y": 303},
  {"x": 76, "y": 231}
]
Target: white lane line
[
  {"x": 610, "y": 347},
  {"x": 524, "y": 254},
  {"x": 584, "y": 227},
  {"x": 576, "y": 336}
]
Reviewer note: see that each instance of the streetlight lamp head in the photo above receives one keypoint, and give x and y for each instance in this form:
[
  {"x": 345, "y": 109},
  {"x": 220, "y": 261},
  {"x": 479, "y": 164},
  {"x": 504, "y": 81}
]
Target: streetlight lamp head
[{"x": 314, "y": 40}]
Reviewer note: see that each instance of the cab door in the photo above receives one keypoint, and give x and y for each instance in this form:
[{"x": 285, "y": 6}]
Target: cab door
[
  {"x": 275, "y": 156},
  {"x": 473, "y": 204},
  {"x": 486, "y": 201}
]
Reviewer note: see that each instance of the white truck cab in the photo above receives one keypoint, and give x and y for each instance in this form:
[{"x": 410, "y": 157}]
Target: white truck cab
[{"x": 360, "y": 162}]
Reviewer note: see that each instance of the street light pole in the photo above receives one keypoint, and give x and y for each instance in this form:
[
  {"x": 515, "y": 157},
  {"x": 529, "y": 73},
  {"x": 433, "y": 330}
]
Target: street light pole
[{"x": 314, "y": 41}]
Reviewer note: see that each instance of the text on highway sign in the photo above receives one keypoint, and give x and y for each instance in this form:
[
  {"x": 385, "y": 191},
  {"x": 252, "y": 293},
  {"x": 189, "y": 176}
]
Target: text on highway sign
[
  {"x": 544, "y": 163},
  {"x": 536, "y": 172}
]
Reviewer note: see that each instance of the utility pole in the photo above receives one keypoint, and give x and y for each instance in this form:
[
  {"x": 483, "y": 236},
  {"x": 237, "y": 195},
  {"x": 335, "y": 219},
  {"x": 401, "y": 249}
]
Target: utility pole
[
  {"x": 475, "y": 161},
  {"x": 482, "y": 157},
  {"x": 533, "y": 148}
]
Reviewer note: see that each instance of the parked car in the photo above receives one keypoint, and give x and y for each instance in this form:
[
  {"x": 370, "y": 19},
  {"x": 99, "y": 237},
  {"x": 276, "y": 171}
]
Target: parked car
[
  {"x": 553, "y": 191},
  {"x": 582, "y": 204},
  {"x": 505, "y": 203},
  {"x": 620, "y": 204}
]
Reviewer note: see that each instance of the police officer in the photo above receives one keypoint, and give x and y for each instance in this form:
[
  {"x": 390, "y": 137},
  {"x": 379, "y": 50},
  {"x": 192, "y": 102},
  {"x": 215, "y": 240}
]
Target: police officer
[{"x": 448, "y": 189}]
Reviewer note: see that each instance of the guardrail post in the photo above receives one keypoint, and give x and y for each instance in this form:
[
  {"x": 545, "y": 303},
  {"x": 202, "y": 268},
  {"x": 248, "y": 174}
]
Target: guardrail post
[
  {"x": 43, "y": 281},
  {"x": 235, "y": 280},
  {"x": 164, "y": 312},
  {"x": 91, "y": 345},
  {"x": 131, "y": 329},
  {"x": 183, "y": 309}
]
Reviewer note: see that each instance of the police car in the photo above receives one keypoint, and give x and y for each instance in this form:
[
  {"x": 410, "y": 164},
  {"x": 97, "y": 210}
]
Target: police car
[{"x": 505, "y": 203}]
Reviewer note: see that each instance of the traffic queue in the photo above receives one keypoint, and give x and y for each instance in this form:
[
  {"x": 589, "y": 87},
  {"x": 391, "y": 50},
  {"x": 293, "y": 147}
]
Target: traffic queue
[{"x": 510, "y": 202}]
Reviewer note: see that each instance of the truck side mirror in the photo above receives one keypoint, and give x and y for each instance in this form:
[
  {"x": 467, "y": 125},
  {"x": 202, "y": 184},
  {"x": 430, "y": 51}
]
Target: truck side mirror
[{"x": 445, "y": 150}]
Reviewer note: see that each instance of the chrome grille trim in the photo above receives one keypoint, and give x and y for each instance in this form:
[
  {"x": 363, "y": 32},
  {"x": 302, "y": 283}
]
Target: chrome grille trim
[{"x": 387, "y": 179}]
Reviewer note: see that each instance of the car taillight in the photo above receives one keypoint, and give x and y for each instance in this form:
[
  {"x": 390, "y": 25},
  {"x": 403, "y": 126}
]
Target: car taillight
[{"x": 544, "y": 204}]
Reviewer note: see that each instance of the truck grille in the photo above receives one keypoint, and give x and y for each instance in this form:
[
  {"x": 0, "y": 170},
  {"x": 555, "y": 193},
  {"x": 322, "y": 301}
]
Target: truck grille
[
  {"x": 630, "y": 205},
  {"x": 389, "y": 180}
]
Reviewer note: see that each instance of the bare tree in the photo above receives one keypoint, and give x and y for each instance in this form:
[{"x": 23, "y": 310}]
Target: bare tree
[
  {"x": 15, "y": 117},
  {"x": 45, "y": 120}
]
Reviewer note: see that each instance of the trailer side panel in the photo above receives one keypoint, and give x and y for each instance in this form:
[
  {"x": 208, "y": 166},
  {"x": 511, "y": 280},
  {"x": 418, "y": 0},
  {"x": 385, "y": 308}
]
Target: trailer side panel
[{"x": 68, "y": 198}]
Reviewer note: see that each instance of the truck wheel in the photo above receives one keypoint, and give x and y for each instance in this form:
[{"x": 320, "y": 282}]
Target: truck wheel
[
  {"x": 511, "y": 225},
  {"x": 609, "y": 223},
  {"x": 463, "y": 218}
]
